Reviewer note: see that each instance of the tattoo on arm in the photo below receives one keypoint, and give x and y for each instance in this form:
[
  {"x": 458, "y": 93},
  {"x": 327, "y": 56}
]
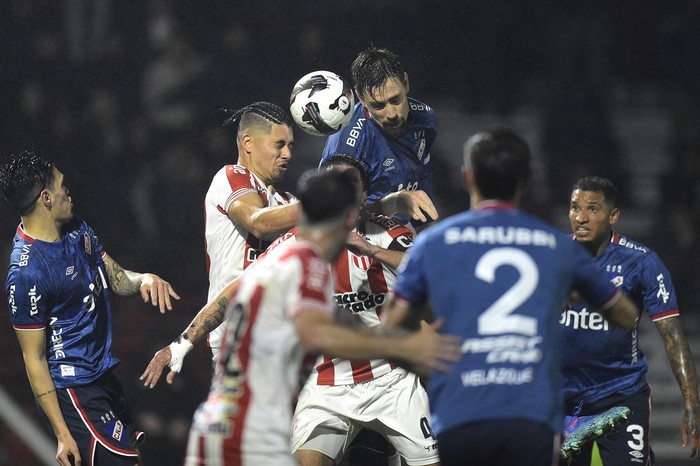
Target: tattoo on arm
[
  {"x": 122, "y": 282},
  {"x": 208, "y": 319},
  {"x": 679, "y": 357},
  {"x": 44, "y": 394}
]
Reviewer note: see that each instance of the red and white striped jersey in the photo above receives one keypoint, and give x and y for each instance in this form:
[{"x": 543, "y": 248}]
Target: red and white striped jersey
[
  {"x": 360, "y": 286},
  {"x": 259, "y": 368},
  {"x": 230, "y": 247},
  {"x": 360, "y": 289}
]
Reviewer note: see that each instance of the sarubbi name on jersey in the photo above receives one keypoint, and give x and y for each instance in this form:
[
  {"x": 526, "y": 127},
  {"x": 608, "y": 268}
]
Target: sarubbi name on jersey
[
  {"x": 497, "y": 376},
  {"x": 500, "y": 235},
  {"x": 584, "y": 319}
]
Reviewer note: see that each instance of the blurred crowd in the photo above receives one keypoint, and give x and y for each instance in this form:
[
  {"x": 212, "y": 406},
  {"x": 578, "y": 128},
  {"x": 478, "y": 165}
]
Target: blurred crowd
[{"x": 126, "y": 98}]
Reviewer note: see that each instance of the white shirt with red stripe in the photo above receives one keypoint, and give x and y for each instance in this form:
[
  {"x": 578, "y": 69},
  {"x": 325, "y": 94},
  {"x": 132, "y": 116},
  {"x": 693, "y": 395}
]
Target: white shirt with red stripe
[
  {"x": 258, "y": 372},
  {"x": 230, "y": 247},
  {"x": 361, "y": 285}
]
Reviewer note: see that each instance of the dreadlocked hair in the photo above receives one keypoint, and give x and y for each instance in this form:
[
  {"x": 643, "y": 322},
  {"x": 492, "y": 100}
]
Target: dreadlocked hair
[{"x": 258, "y": 111}]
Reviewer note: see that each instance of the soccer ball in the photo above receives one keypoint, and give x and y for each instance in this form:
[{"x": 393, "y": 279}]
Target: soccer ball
[{"x": 321, "y": 103}]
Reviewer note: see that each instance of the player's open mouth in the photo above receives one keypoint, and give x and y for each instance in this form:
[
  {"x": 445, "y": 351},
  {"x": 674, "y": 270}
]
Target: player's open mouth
[{"x": 580, "y": 231}]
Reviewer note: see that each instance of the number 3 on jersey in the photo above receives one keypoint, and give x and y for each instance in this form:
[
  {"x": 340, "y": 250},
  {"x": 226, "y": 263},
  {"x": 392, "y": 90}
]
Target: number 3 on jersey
[{"x": 499, "y": 317}]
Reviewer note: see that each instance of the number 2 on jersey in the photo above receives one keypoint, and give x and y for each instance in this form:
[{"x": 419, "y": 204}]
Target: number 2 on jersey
[{"x": 499, "y": 317}]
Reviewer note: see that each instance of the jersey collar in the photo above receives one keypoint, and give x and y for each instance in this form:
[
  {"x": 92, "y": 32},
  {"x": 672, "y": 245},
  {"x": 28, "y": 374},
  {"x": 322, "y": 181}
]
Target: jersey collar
[
  {"x": 495, "y": 205},
  {"x": 24, "y": 235}
]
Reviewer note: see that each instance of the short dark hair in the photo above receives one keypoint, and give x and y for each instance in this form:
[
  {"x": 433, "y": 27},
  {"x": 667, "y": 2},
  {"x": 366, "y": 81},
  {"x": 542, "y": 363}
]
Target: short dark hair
[
  {"x": 372, "y": 67},
  {"x": 599, "y": 184},
  {"x": 327, "y": 194},
  {"x": 500, "y": 162},
  {"x": 350, "y": 161},
  {"x": 22, "y": 179},
  {"x": 258, "y": 113}
]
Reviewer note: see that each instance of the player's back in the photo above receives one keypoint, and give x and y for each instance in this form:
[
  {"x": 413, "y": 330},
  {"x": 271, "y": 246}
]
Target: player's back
[
  {"x": 498, "y": 277},
  {"x": 259, "y": 366}
]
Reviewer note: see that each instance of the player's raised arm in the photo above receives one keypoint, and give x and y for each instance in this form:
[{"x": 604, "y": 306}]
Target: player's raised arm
[
  {"x": 416, "y": 204},
  {"x": 262, "y": 221},
  {"x": 173, "y": 355}
]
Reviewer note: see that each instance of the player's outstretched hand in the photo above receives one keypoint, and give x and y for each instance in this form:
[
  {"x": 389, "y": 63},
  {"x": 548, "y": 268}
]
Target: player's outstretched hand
[
  {"x": 67, "y": 453},
  {"x": 155, "y": 368},
  {"x": 690, "y": 431},
  {"x": 428, "y": 350},
  {"x": 158, "y": 291},
  {"x": 417, "y": 204}
]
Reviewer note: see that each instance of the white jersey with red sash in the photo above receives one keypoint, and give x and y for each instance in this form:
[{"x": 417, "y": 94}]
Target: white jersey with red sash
[{"x": 246, "y": 419}]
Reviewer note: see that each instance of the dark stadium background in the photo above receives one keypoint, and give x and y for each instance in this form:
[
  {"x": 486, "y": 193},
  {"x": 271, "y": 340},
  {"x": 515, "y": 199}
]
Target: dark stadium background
[{"x": 125, "y": 97}]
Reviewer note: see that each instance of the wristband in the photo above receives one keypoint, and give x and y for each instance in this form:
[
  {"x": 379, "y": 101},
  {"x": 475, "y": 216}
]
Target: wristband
[{"x": 178, "y": 350}]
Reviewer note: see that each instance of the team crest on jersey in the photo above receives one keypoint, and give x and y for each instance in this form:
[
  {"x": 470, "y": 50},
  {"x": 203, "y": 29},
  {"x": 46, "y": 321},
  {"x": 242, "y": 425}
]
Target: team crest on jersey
[
  {"x": 421, "y": 149},
  {"x": 618, "y": 281},
  {"x": 362, "y": 262},
  {"x": 88, "y": 243}
]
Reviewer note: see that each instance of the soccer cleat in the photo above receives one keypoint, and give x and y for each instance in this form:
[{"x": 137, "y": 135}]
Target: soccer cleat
[{"x": 580, "y": 430}]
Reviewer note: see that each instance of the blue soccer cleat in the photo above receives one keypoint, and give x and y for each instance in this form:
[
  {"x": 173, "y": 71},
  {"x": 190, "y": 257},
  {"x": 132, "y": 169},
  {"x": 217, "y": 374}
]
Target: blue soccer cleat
[{"x": 579, "y": 430}]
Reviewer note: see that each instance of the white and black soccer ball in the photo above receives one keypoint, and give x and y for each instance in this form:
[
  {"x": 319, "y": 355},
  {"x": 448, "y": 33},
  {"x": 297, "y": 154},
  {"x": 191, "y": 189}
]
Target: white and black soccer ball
[{"x": 321, "y": 103}]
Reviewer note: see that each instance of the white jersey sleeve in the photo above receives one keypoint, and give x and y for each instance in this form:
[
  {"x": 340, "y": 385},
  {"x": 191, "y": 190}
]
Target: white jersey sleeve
[{"x": 230, "y": 248}]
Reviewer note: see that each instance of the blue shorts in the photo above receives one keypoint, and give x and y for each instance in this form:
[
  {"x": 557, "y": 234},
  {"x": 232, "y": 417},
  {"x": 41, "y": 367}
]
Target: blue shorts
[
  {"x": 97, "y": 417},
  {"x": 502, "y": 442}
]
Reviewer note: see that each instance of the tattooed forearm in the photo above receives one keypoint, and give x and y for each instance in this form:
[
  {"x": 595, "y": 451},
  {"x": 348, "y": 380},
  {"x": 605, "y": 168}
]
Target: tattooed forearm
[
  {"x": 210, "y": 317},
  {"x": 216, "y": 317},
  {"x": 122, "y": 282},
  {"x": 680, "y": 358}
]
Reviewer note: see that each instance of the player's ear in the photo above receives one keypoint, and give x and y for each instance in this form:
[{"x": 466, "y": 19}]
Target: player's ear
[
  {"x": 359, "y": 96},
  {"x": 614, "y": 215},
  {"x": 45, "y": 198},
  {"x": 467, "y": 178},
  {"x": 405, "y": 81},
  {"x": 247, "y": 142}
]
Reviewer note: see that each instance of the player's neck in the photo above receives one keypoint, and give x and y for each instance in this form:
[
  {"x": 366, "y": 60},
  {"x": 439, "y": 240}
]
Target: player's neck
[
  {"x": 43, "y": 229},
  {"x": 325, "y": 237},
  {"x": 247, "y": 162},
  {"x": 598, "y": 248}
]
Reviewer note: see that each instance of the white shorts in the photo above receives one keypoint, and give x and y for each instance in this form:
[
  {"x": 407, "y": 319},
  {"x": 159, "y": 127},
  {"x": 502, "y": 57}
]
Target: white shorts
[{"x": 328, "y": 417}]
